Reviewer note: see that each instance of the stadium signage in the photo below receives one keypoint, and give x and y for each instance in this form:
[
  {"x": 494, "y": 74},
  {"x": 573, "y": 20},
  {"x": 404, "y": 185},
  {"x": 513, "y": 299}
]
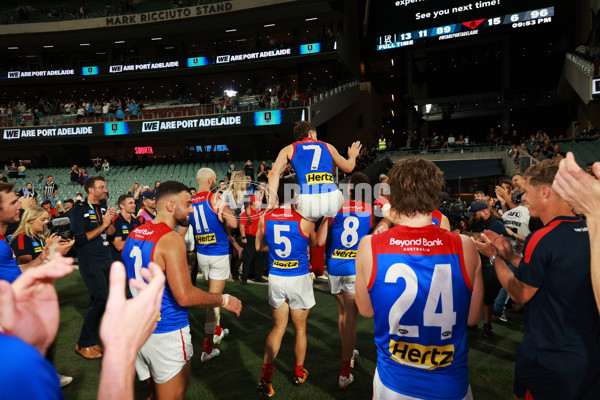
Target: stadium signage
[
  {"x": 253, "y": 56},
  {"x": 115, "y": 69},
  {"x": 10, "y": 134},
  {"x": 169, "y": 15},
  {"x": 30, "y": 74},
  {"x": 157, "y": 126}
]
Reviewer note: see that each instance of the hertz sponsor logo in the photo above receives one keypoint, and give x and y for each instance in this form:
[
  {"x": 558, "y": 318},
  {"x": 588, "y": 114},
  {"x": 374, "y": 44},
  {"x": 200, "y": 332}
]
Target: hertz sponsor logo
[
  {"x": 285, "y": 264},
  {"x": 344, "y": 254},
  {"x": 319, "y": 177},
  {"x": 422, "y": 357},
  {"x": 206, "y": 239}
]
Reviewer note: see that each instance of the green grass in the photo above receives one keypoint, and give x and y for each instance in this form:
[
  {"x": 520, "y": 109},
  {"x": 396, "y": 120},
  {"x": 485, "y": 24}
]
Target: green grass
[{"x": 234, "y": 374}]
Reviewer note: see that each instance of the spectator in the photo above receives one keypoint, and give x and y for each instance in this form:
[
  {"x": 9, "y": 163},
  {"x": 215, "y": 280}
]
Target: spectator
[
  {"x": 2, "y": 177},
  {"x": 64, "y": 210},
  {"x": 74, "y": 172},
  {"x": 252, "y": 260},
  {"x": 27, "y": 191},
  {"x": 234, "y": 198},
  {"x": 120, "y": 114},
  {"x": 485, "y": 220},
  {"x": 83, "y": 176},
  {"x": 41, "y": 181},
  {"x": 230, "y": 172},
  {"x": 105, "y": 166},
  {"x": 47, "y": 205},
  {"x": 274, "y": 100},
  {"x": 97, "y": 164},
  {"x": 21, "y": 170},
  {"x": 296, "y": 99},
  {"x": 249, "y": 169},
  {"x": 263, "y": 172},
  {"x": 148, "y": 211}
]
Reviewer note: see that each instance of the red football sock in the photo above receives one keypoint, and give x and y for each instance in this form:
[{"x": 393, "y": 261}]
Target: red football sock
[
  {"x": 208, "y": 346},
  {"x": 218, "y": 330},
  {"x": 299, "y": 370},
  {"x": 345, "y": 369},
  {"x": 267, "y": 371}
]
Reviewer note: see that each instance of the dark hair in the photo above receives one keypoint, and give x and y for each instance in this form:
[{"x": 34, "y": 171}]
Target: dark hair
[
  {"x": 480, "y": 191},
  {"x": 5, "y": 187},
  {"x": 356, "y": 179},
  {"x": 507, "y": 182},
  {"x": 169, "y": 188},
  {"x": 415, "y": 186},
  {"x": 91, "y": 181},
  {"x": 542, "y": 173},
  {"x": 301, "y": 129},
  {"x": 122, "y": 198},
  {"x": 49, "y": 176}
]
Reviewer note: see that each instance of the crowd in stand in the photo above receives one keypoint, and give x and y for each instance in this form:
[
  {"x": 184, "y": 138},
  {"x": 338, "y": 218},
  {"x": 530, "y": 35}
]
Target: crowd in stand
[{"x": 123, "y": 108}]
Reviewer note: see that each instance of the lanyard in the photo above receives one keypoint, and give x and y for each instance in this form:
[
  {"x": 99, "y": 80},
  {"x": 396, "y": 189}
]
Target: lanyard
[{"x": 96, "y": 211}]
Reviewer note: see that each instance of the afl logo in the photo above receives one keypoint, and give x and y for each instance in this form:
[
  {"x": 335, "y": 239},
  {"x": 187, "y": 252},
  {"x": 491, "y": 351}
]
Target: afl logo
[
  {"x": 446, "y": 334},
  {"x": 114, "y": 128},
  {"x": 90, "y": 70},
  {"x": 310, "y": 47},
  {"x": 267, "y": 116},
  {"x": 402, "y": 331}
]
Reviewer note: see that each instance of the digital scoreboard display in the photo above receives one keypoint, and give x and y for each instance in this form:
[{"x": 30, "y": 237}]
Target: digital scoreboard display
[{"x": 402, "y": 23}]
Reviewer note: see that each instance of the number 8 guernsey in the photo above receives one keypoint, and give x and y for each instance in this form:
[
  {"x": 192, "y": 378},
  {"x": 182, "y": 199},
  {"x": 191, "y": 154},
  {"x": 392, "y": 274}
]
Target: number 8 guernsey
[
  {"x": 423, "y": 293},
  {"x": 209, "y": 232},
  {"x": 351, "y": 224}
]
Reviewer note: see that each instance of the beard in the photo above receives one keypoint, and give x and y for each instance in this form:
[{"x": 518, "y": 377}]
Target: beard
[{"x": 182, "y": 221}]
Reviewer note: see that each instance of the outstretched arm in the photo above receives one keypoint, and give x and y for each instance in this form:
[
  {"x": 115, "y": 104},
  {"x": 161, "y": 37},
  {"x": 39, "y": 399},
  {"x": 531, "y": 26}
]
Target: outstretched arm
[{"x": 345, "y": 165}]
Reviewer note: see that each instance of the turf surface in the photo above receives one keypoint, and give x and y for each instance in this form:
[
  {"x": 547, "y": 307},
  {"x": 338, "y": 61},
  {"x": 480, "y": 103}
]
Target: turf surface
[{"x": 234, "y": 374}]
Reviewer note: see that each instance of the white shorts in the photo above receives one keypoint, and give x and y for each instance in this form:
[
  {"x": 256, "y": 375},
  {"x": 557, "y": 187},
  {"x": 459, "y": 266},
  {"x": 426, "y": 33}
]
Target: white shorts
[
  {"x": 214, "y": 267},
  {"x": 339, "y": 283},
  {"x": 164, "y": 355},
  {"x": 297, "y": 290},
  {"x": 317, "y": 205},
  {"x": 380, "y": 392}
]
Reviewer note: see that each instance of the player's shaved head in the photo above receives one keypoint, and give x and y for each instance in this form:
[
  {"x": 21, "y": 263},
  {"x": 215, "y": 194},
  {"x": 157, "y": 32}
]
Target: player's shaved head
[{"x": 204, "y": 174}]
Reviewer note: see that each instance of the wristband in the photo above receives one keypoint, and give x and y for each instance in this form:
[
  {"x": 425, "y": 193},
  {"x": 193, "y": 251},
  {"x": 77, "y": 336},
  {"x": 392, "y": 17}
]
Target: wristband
[
  {"x": 225, "y": 300},
  {"x": 244, "y": 237}
]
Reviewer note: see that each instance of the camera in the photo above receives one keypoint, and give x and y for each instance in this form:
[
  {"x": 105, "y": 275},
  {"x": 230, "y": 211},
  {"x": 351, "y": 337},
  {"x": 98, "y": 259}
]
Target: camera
[
  {"x": 62, "y": 227},
  {"x": 454, "y": 210}
]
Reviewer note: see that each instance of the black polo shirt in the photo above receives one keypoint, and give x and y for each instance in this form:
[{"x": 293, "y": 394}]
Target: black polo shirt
[
  {"x": 86, "y": 217},
  {"x": 122, "y": 230},
  {"x": 25, "y": 245},
  {"x": 562, "y": 324}
]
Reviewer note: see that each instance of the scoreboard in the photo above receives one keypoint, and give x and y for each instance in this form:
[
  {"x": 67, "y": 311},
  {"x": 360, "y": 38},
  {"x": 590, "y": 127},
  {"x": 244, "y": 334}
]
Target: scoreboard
[{"x": 402, "y": 23}]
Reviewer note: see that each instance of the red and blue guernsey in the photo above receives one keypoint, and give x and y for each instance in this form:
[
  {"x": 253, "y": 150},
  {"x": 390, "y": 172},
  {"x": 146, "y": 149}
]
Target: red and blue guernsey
[
  {"x": 9, "y": 269},
  {"x": 313, "y": 164},
  {"x": 288, "y": 247},
  {"x": 421, "y": 295},
  {"x": 209, "y": 232},
  {"x": 436, "y": 217},
  {"x": 137, "y": 254},
  {"x": 352, "y": 223}
]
